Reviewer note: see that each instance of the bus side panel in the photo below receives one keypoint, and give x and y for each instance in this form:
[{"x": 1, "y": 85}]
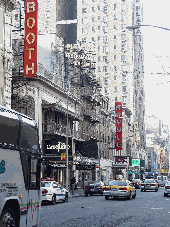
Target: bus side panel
[{"x": 12, "y": 186}]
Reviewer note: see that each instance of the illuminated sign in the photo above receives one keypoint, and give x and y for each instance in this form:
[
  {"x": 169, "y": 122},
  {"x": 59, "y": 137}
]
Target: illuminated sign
[
  {"x": 118, "y": 113},
  {"x": 30, "y": 41},
  {"x": 135, "y": 162},
  {"x": 120, "y": 160}
]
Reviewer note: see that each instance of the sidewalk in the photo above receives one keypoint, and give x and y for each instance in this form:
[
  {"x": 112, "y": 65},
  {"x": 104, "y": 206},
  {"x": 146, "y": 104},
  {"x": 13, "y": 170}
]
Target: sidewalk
[{"x": 77, "y": 193}]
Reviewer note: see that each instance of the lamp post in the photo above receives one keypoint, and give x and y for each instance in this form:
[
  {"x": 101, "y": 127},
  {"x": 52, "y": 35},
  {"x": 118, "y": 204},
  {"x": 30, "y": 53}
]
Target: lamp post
[{"x": 137, "y": 26}]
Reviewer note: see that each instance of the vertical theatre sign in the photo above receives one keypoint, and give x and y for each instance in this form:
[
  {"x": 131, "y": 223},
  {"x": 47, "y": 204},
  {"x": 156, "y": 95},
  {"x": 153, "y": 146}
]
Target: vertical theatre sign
[
  {"x": 30, "y": 41},
  {"x": 118, "y": 113}
]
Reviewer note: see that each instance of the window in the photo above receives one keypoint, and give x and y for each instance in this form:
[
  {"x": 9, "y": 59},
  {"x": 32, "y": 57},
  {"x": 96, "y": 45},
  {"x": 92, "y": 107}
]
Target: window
[
  {"x": 98, "y": 18},
  {"x": 123, "y": 47},
  {"x": 92, "y": 38},
  {"x": 114, "y": 6},
  {"x": 123, "y": 58},
  {"x": 48, "y": 4},
  {"x": 115, "y": 77},
  {"x": 124, "y": 99},
  {"x": 105, "y": 29},
  {"x": 115, "y": 99},
  {"x": 115, "y": 89},
  {"x": 84, "y": 39},
  {"x": 123, "y": 27},
  {"x": 105, "y": 19},
  {"x": 105, "y": 80},
  {"x": 114, "y": 26},
  {"x": 83, "y": 2},
  {"x": 93, "y": 9},
  {"x": 105, "y": 69},
  {"x": 105, "y": 9},
  {"x": 105, "y": 90},
  {"x": 115, "y": 68},
  {"x": 123, "y": 7},
  {"x": 99, "y": 58},
  {"x": 84, "y": 10},
  {"x": 84, "y": 20},
  {"x": 105, "y": 49},
  {"x": 93, "y": 29},
  {"x": 47, "y": 13},
  {"x": 149, "y": 155},
  {"x": 115, "y": 47},
  {"x": 115, "y": 57},
  {"x": 99, "y": 70},
  {"x": 123, "y": 36},
  {"x": 123, "y": 89},
  {"x": 10, "y": 129},
  {"x": 114, "y": 17},
  {"x": 47, "y": 24},
  {"x": 105, "y": 59},
  {"x": 98, "y": 7},
  {"x": 123, "y": 17},
  {"x": 17, "y": 17},
  {"x": 105, "y": 38},
  {"x": 123, "y": 78},
  {"x": 92, "y": 19},
  {"x": 114, "y": 36},
  {"x": 98, "y": 48},
  {"x": 123, "y": 68},
  {"x": 84, "y": 30},
  {"x": 98, "y": 38},
  {"x": 98, "y": 27}
]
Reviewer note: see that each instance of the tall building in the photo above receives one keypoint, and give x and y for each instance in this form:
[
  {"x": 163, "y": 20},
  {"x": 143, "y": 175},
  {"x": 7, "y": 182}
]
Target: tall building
[
  {"x": 6, "y": 8},
  {"x": 138, "y": 82}
]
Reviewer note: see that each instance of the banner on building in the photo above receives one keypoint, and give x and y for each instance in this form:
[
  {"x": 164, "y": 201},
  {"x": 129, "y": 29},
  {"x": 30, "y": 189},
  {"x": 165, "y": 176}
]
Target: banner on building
[
  {"x": 118, "y": 117},
  {"x": 138, "y": 15},
  {"x": 85, "y": 167},
  {"x": 162, "y": 156},
  {"x": 30, "y": 41},
  {"x": 121, "y": 160}
]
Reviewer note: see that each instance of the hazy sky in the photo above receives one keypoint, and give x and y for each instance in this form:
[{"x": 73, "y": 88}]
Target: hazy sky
[{"x": 157, "y": 58}]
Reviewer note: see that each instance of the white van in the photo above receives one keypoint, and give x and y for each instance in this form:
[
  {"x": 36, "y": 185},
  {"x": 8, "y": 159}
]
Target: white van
[{"x": 162, "y": 180}]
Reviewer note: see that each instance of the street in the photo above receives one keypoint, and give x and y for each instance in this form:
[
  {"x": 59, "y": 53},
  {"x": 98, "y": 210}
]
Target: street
[{"x": 147, "y": 209}]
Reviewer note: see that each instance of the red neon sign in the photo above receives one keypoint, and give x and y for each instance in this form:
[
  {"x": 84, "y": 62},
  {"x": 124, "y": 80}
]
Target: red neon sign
[
  {"x": 30, "y": 41},
  {"x": 118, "y": 113}
]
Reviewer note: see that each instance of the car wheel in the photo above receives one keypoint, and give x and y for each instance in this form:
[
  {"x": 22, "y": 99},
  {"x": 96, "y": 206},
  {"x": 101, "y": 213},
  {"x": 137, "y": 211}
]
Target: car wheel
[
  {"x": 54, "y": 199},
  {"x": 134, "y": 196},
  {"x": 8, "y": 218},
  {"x": 165, "y": 194},
  {"x": 141, "y": 190},
  {"x": 86, "y": 194},
  {"x": 130, "y": 196},
  {"x": 106, "y": 197}
]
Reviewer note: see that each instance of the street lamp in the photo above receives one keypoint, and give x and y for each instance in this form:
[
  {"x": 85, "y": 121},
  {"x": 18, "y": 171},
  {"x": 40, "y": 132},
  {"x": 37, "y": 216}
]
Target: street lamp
[{"x": 137, "y": 26}]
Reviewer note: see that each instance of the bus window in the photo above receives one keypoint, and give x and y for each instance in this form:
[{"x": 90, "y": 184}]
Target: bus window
[
  {"x": 35, "y": 173},
  {"x": 9, "y": 129},
  {"x": 29, "y": 139}
]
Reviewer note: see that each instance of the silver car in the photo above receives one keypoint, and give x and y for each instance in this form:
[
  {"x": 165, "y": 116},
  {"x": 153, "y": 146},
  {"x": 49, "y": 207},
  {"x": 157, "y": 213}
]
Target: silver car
[{"x": 167, "y": 189}]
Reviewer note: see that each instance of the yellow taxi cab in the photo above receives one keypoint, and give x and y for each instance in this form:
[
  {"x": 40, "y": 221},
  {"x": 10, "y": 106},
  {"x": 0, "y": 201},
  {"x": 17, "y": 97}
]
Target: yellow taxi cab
[{"x": 119, "y": 188}]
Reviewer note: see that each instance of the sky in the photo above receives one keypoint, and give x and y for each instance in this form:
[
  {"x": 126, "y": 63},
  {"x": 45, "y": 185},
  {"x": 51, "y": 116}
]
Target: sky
[{"x": 157, "y": 58}]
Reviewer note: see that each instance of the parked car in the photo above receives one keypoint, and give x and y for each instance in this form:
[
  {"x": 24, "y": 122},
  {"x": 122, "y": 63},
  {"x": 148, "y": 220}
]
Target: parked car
[
  {"x": 162, "y": 180},
  {"x": 149, "y": 184},
  {"x": 136, "y": 183},
  {"x": 119, "y": 188},
  {"x": 94, "y": 188},
  {"x": 167, "y": 189},
  {"x": 52, "y": 191}
]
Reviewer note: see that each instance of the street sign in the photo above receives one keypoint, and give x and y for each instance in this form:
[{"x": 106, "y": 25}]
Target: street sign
[{"x": 135, "y": 162}]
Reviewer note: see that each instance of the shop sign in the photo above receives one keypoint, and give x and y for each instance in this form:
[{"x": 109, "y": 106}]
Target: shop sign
[
  {"x": 30, "y": 41},
  {"x": 58, "y": 147},
  {"x": 63, "y": 156},
  {"x": 118, "y": 113},
  {"x": 120, "y": 160},
  {"x": 135, "y": 162},
  {"x": 85, "y": 167},
  {"x": 57, "y": 165}
]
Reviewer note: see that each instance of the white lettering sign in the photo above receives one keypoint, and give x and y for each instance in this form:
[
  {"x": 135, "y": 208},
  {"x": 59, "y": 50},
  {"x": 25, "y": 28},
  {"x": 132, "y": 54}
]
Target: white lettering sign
[{"x": 59, "y": 146}]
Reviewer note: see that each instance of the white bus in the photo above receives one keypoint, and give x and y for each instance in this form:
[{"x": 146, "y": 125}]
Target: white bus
[{"x": 20, "y": 158}]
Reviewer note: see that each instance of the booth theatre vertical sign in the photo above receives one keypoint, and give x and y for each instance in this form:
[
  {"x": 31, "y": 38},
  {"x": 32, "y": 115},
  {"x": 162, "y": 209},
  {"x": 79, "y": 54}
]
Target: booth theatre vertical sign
[
  {"x": 118, "y": 113},
  {"x": 30, "y": 41}
]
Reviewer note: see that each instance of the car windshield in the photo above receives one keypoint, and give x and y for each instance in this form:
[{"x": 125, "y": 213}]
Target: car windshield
[
  {"x": 119, "y": 183},
  {"x": 46, "y": 185},
  {"x": 149, "y": 181}
]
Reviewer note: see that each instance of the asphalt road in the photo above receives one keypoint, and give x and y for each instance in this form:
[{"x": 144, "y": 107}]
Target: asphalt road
[{"x": 147, "y": 209}]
